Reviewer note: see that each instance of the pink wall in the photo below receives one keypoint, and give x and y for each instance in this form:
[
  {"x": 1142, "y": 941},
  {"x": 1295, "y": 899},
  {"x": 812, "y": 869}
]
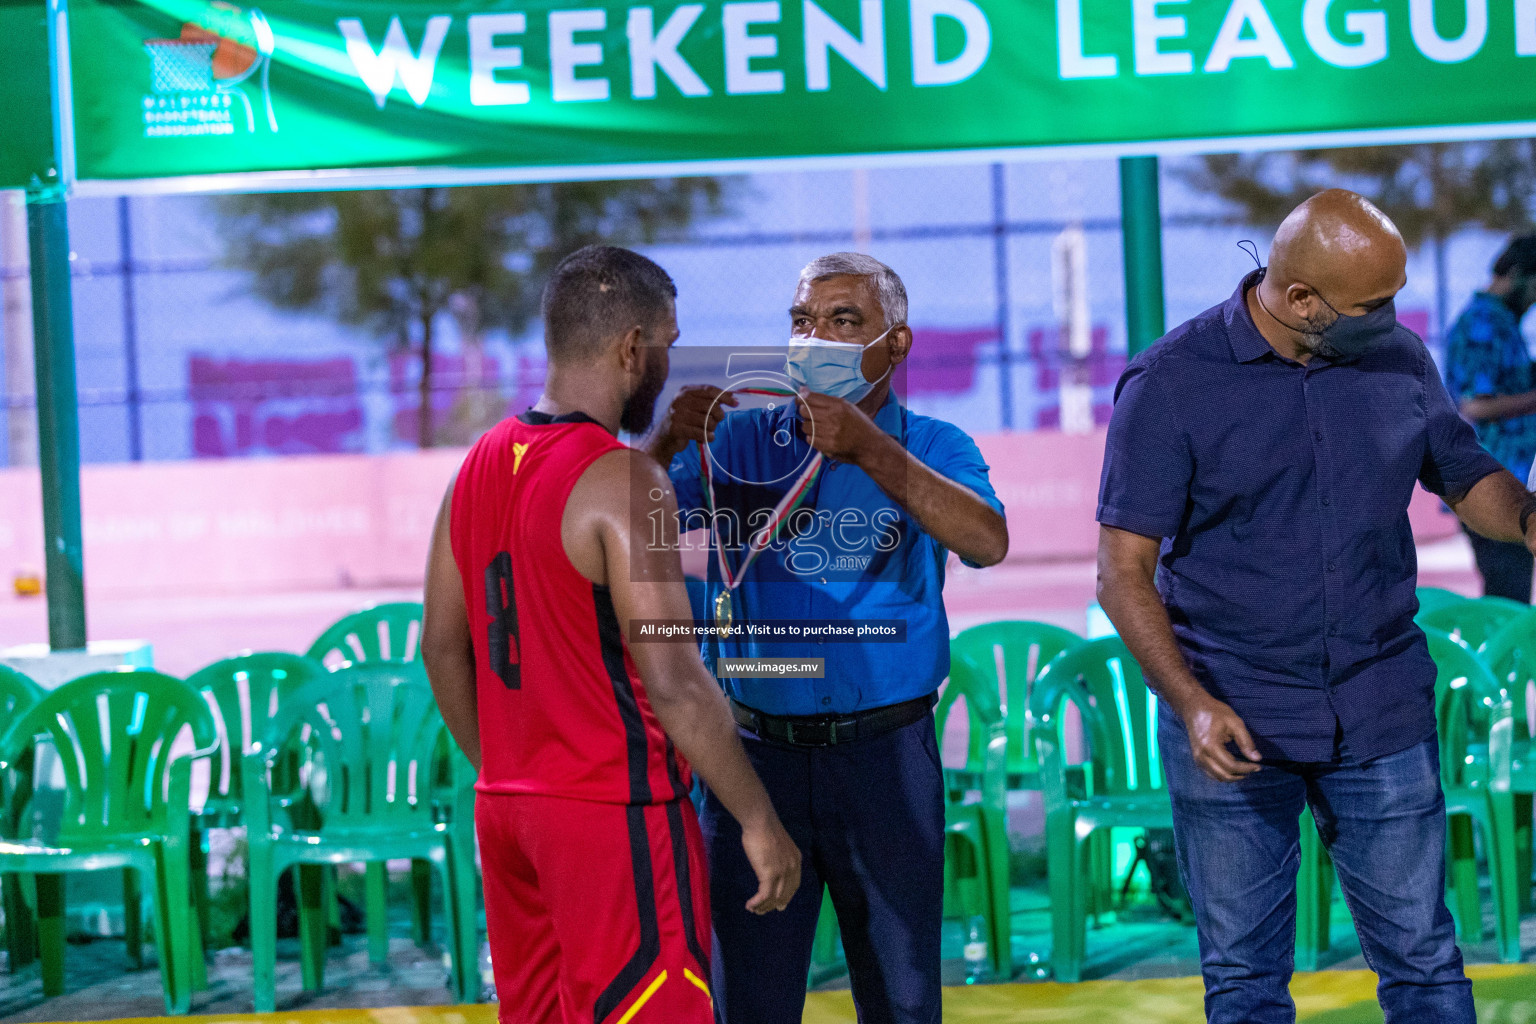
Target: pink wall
[
  {"x": 237, "y": 525},
  {"x": 319, "y": 522}
]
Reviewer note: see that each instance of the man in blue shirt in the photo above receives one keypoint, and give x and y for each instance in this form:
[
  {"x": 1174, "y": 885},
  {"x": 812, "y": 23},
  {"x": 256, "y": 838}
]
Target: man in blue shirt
[
  {"x": 850, "y": 759},
  {"x": 1256, "y": 556},
  {"x": 1489, "y": 371}
]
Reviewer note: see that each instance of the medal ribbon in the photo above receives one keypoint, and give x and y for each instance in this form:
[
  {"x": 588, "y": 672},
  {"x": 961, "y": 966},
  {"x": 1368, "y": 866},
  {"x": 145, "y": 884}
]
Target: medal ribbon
[{"x": 793, "y": 499}]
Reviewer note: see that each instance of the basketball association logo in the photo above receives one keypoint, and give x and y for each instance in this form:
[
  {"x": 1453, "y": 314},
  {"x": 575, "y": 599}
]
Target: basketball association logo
[{"x": 202, "y": 81}]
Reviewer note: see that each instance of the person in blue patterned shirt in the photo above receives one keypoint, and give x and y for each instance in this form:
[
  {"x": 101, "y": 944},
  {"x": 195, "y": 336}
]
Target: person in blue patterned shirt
[{"x": 1489, "y": 373}]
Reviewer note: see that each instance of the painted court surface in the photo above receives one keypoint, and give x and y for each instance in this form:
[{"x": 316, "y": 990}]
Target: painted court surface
[{"x": 1505, "y": 995}]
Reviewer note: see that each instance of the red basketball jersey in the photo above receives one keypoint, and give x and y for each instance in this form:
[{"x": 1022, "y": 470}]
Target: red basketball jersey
[{"x": 562, "y": 710}]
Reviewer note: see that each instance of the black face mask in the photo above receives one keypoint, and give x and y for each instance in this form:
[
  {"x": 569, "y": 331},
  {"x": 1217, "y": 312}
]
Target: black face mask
[
  {"x": 1350, "y": 337},
  {"x": 1347, "y": 337}
]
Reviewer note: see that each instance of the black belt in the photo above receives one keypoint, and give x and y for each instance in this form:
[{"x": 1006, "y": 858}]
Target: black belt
[{"x": 830, "y": 730}]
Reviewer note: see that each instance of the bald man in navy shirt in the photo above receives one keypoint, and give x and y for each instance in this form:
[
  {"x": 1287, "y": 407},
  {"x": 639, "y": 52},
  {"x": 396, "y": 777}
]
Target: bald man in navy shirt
[{"x": 1255, "y": 554}]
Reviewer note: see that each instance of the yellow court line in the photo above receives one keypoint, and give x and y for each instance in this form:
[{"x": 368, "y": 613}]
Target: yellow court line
[
  {"x": 645, "y": 997},
  {"x": 688, "y": 973}
]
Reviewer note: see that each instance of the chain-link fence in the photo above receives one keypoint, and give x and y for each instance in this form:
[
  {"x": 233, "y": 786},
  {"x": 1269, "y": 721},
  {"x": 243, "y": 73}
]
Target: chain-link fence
[{"x": 1013, "y": 271}]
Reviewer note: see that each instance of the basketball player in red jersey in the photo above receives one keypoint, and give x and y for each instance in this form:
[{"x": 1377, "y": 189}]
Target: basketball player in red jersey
[{"x": 543, "y": 555}]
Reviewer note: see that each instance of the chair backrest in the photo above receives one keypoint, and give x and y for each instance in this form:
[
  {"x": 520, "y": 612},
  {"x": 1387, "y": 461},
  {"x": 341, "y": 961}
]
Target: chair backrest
[
  {"x": 1434, "y": 598},
  {"x": 1474, "y": 620},
  {"x": 982, "y": 707},
  {"x": 1118, "y": 712},
  {"x": 1511, "y": 656},
  {"x": 17, "y": 694},
  {"x": 372, "y": 731},
  {"x": 385, "y": 632},
  {"x": 114, "y": 732},
  {"x": 1010, "y": 655},
  {"x": 1466, "y": 698},
  {"x": 247, "y": 691}
]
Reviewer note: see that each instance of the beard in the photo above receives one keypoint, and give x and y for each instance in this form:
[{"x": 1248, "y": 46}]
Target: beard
[
  {"x": 640, "y": 408},
  {"x": 1313, "y": 340}
]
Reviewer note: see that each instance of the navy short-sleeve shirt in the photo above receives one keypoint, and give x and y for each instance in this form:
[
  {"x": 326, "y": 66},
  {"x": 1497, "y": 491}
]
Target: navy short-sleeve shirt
[{"x": 1281, "y": 493}]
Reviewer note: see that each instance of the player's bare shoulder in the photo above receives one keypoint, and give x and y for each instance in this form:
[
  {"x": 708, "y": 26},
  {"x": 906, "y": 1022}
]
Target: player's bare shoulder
[{"x": 622, "y": 494}]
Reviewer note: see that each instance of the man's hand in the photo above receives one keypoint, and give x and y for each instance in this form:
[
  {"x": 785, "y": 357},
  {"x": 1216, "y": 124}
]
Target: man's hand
[
  {"x": 776, "y": 860},
  {"x": 1212, "y": 725},
  {"x": 836, "y": 427},
  {"x": 693, "y": 416}
]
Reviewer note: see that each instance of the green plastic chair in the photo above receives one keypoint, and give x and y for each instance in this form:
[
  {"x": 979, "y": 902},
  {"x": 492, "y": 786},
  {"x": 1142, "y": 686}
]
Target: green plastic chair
[
  {"x": 371, "y": 732},
  {"x": 246, "y": 691},
  {"x": 1010, "y": 655},
  {"x": 976, "y": 826},
  {"x": 1511, "y": 656},
  {"x": 385, "y": 632},
  {"x": 125, "y": 806},
  {"x": 1474, "y": 620},
  {"x": 1435, "y": 598},
  {"x": 1119, "y": 785},
  {"x": 827, "y": 959},
  {"x": 17, "y": 695},
  {"x": 1472, "y": 711},
  {"x": 1315, "y": 879}
]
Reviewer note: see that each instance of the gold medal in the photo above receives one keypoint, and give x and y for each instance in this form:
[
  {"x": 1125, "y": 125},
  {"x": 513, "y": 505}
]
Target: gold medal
[{"x": 723, "y": 612}]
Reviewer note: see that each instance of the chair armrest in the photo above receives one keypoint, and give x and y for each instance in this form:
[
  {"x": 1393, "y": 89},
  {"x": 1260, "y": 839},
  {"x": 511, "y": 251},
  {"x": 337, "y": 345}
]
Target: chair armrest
[
  {"x": 1053, "y": 769},
  {"x": 1501, "y": 744},
  {"x": 994, "y": 772},
  {"x": 178, "y": 800},
  {"x": 464, "y": 779},
  {"x": 257, "y": 791}
]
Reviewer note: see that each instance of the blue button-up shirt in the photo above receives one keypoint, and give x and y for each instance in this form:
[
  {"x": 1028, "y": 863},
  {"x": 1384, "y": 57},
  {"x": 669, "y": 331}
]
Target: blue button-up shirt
[
  {"x": 1281, "y": 493},
  {"x": 861, "y": 557},
  {"x": 1485, "y": 354}
]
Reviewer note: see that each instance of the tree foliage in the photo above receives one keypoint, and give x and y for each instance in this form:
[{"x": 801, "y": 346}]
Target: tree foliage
[
  {"x": 1429, "y": 190},
  {"x": 394, "y": 262}
]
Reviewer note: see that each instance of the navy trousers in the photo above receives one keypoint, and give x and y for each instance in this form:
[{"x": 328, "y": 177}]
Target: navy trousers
[{"x": 869, "y": 820}]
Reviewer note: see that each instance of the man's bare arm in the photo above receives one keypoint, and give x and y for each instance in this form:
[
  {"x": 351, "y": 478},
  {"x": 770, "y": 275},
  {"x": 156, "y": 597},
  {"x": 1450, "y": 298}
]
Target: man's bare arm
[
  {"x": 624, "y": 496},
  {"x": 1483, "y": 408},
  {"x": 1493, "y": 506},
  {"x": 446, "y": 647},
  {"x": 949, "y": 512},
  {"x": 1127, "y": 591}
]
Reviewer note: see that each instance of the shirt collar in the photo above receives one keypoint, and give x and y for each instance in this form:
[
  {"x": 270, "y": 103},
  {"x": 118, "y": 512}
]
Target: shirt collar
[{"x": 1248, "y": 345}]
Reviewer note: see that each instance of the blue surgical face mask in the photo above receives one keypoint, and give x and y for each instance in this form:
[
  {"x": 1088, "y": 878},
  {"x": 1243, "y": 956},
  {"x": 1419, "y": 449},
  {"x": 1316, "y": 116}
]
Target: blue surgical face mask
[{"x": 833, "y": 368}]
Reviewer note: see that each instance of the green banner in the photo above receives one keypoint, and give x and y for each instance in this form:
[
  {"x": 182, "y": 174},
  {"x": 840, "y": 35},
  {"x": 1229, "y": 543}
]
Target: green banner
[
  {"x": 26, "y": 119},
  {"x": 546, "y": 88}
]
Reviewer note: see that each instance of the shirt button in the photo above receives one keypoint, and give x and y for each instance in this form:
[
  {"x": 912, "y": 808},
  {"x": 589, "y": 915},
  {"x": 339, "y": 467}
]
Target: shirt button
[
  {"x": 1317, "y": 434},
  {"x": 1331, "y": 567},
  {"x": 826, "y": 700},
  {"x": 1327, "y": 502}
]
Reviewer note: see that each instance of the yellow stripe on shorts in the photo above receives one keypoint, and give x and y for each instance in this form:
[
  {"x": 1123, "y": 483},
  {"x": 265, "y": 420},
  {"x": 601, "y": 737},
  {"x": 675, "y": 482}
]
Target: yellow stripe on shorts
[
  {"x": 687, "y": 973},
  {"x": 645, "y": 997}
]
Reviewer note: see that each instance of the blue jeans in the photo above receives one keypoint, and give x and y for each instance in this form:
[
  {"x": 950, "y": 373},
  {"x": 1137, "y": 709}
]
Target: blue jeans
[{"x": 1238, "y": 845}]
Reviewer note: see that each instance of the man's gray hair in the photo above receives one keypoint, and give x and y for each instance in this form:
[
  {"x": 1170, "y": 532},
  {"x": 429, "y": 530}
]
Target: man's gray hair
[{"x": 888, "y": 286}]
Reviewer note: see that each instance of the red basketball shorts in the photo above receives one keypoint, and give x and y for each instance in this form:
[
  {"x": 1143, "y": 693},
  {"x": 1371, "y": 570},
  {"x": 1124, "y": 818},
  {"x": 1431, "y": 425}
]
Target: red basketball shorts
[{"x": 597, "y": 913}]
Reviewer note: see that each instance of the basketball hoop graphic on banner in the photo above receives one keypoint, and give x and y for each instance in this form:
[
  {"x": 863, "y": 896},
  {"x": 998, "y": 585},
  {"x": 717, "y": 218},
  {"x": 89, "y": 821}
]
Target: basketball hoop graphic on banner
[{"x": 198, "y": 80}]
